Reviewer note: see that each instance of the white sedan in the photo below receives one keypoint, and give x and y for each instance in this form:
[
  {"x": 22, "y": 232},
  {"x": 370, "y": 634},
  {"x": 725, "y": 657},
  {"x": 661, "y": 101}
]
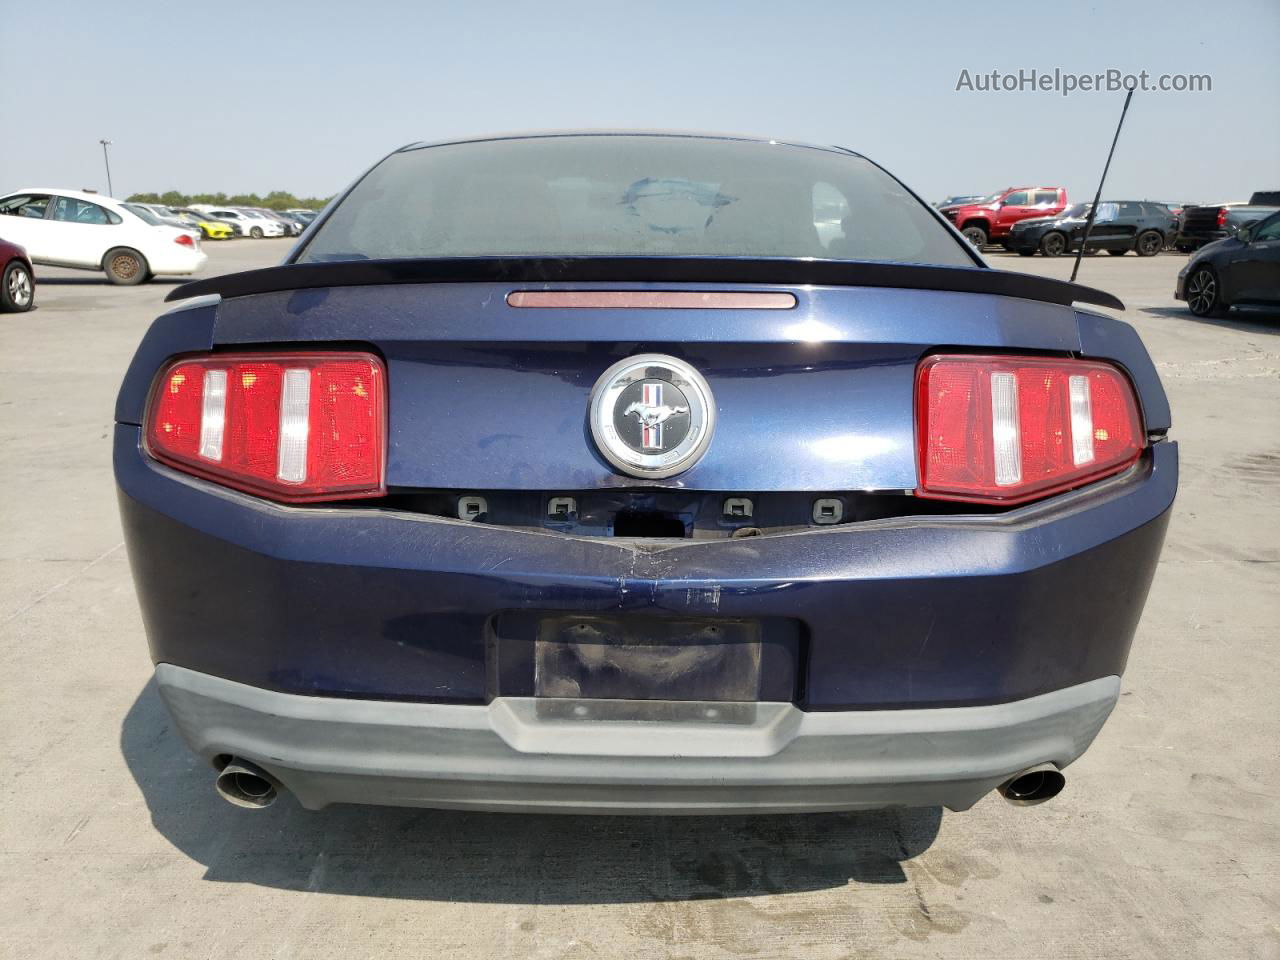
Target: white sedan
[
  {"x": 252, "y": 224},
  {"x": 67, "y": 228}
]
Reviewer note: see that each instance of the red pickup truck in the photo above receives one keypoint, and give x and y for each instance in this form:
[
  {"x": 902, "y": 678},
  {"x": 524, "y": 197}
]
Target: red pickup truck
[{"x": 990, "y": 220}]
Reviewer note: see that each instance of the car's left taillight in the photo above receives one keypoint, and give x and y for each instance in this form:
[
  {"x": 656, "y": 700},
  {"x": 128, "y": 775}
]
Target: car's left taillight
[
  {"x": 293, "y": 427},
  {"x": 185, "y": 240}
]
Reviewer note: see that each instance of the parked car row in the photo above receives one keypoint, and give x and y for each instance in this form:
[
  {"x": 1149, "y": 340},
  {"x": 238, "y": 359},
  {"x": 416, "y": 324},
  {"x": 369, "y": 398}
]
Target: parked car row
[
  {"x": 1037, "y": 219},
  {"x": 210, "y": 230},
  {"x": 1237, "y": 245},
  {"x": 1031, "y": 220},
  {"x": 1118, "y": 227},
  {"x": 68, "y": 228},
  {"x": 991, "y": 219},
  {"x": 129, "y": 241},
  {"x": 224, "y": 222}
]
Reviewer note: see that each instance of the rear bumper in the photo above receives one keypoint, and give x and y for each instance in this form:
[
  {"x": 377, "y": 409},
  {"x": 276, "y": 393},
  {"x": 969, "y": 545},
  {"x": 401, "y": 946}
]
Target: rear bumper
[
  {"x": 504, "y": 756},
  {"x": 377, "y": 604},
  {"x": 179, "y": 262},
  {"x": 1199, "y": 238},
  {"x": 1022, "y": 241}
]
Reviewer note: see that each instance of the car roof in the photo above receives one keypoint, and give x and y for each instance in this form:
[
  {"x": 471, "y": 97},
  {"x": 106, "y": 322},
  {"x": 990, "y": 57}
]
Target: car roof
[
  {"x": 674, "y": 134},
  {"x": 75, "y": 194}
]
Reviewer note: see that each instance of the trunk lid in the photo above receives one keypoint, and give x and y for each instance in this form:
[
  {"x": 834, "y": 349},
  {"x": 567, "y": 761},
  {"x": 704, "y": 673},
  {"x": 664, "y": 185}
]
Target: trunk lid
[{"x": 485, "y": 395}]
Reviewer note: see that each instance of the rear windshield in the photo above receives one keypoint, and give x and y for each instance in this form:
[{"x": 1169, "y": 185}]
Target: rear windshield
[{"x": 631, "y": 196}]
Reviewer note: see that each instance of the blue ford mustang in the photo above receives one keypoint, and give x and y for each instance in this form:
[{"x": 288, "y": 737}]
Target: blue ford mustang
[{"x": 616, "y": 472}]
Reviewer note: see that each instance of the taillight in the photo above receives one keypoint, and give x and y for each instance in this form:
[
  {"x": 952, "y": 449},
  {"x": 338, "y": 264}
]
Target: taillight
[
  {"x": 290, "y": 427},
  {"x": 184, "y": 240},
  {"x": 1011, "y": 429},
  {"x": 1222, "y": 217}
]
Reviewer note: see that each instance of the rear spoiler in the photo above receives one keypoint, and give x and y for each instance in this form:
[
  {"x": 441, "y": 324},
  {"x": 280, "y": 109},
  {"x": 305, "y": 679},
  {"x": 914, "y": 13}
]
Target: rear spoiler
[{"x": 647, "y": 270}]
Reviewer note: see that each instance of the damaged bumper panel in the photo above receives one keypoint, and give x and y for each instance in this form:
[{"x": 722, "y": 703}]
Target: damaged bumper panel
[
  {"x": 904, "y": 614},
  {"x": 601, "y": 756}
]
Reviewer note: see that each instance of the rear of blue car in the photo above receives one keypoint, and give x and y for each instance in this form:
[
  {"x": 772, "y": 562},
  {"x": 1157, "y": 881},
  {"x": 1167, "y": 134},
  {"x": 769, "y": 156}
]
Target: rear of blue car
[{"x": 581, "y": 474}]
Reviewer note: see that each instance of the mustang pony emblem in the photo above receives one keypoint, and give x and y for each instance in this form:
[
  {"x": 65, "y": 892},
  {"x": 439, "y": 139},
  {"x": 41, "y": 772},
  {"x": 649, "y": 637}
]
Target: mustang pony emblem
[{"x": 652, "y": 414}]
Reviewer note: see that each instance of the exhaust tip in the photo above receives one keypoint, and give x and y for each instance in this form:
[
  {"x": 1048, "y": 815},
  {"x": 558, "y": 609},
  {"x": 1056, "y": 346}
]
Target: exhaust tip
[
  {"x": 1033, "y": 785},
  {"x": 246, "y": 785}
]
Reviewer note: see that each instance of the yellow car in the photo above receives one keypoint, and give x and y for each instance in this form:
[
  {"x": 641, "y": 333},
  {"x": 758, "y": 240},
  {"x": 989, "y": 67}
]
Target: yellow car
[{"x": 211, "y": 229}]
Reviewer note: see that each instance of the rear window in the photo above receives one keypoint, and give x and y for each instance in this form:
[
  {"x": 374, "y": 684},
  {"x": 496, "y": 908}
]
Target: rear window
[{"x": 631, "y": 196}]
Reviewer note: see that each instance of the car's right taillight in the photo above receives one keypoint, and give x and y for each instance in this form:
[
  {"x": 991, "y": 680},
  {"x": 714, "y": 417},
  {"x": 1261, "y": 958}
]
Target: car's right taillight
[
  {"x": 293, "y": 427},
  {"x": 996, "y": 429}
]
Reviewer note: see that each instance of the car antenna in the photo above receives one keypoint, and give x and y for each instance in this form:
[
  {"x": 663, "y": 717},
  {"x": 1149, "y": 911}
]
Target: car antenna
[{"x": 1093, "y": 210}]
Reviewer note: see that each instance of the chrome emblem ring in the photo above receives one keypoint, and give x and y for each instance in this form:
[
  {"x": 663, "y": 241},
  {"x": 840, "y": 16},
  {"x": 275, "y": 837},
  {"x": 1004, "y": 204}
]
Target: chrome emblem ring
[{"x": 652, "y": 415}]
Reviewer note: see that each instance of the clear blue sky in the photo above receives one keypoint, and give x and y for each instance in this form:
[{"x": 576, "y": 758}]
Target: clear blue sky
[{"x": 258, "y": 96}]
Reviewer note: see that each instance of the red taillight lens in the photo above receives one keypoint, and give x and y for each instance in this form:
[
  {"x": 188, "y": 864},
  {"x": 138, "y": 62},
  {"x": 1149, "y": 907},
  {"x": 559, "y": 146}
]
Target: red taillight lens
[
  {"x": 1011, "y": 429},
  {"x": 290, "y": 427},
  {"x": 1222, "y": 217},
  {"x": 184, "y": 240}
]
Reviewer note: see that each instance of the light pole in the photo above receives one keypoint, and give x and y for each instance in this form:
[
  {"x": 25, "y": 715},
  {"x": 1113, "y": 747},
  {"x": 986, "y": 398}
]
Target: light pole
[{"x": 105, "y": 144}]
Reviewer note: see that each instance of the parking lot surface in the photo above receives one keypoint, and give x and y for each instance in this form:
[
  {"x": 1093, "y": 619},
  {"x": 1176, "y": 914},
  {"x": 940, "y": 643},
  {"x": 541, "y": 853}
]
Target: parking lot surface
[{"x": 1165, "y": 844}]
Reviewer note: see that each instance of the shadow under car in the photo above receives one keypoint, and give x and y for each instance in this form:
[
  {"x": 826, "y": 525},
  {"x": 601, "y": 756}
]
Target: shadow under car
[{"x": 505, "y": 858}]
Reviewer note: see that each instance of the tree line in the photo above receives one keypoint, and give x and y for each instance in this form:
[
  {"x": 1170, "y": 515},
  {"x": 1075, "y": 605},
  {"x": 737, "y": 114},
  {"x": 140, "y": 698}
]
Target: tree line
[{"x": 275, "y": 200}]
